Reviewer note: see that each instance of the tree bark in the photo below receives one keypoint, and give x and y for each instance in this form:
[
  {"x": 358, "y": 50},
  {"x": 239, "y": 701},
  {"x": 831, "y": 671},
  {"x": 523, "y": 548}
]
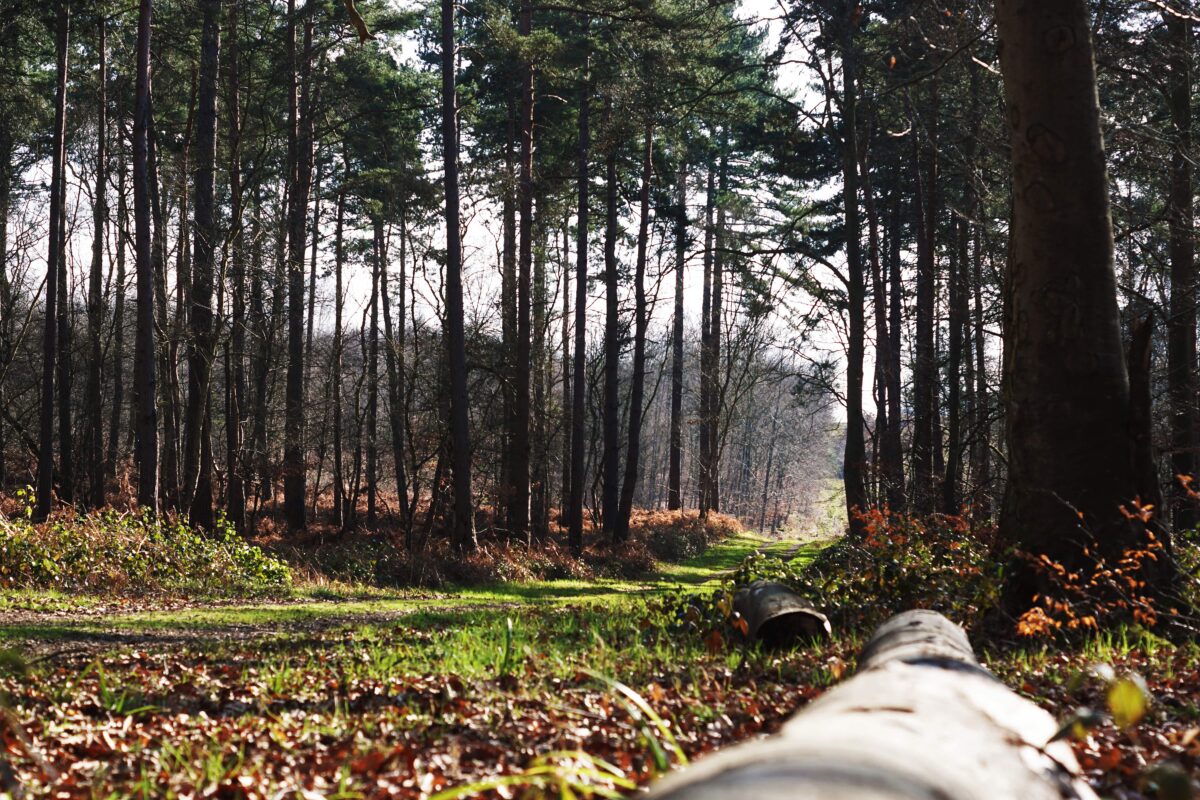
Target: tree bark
[
  {"x": 924, "y": 364},
  {"x": 637, "y": 381},
  {"x": 704, "y": 468},
  {"x": 55, "y": 256},
  {"x": 579, "y": 396},
  {"x": 93, "y": 393},
  {"x": 1181, "y": 322},
  {"x": 463, "y": 531},
  {"x": 145, "y": 387},
  {"x": 854, "y": 458},
  {"x": 372, "y": 380},
  {"x": 675, "y": 470},
  {"x": 197, "y": 477},
  {"x": 118, "y": 361},
  {"x": 518, "y": 507},
  {"x": 951, "y": 498},
  {"x": 612, "y": 353},
  {"x": 1066, "y": 388},
  {"x": 235, "y": 358},
  {"x": 339, "y": 257},
  {"x": 300, "y": 156}
]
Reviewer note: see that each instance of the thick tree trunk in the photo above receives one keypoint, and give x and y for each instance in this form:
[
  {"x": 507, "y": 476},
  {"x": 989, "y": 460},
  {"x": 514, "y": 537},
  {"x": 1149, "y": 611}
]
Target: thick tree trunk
[
  {"x": 197, "y": 478},
  {"x": 1181, "y": 323},
  {"x": 637, "y": 381},
  {"x": 675, "y": 470},
  {"x": 1066, "y": 388},
  {"x": 50, "y": 344},
  {"x": 463, "y": 532},
  {"x": 93, "y": 393},
  {"x": 579, "y": 396},
  {"x": 920, "y": 719},
  {"x": 145, "y": 388}
]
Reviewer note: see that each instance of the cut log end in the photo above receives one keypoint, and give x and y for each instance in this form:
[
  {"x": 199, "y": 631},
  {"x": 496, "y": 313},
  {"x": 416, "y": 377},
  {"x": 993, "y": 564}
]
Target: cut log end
[{"x": 778, "y": 617}]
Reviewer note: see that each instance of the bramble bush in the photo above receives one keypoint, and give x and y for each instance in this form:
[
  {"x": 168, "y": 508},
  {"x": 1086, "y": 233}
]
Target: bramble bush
[{"x": 115, "y": 553}]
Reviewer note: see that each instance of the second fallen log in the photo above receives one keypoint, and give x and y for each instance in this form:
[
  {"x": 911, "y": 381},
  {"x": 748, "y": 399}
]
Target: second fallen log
[{"x": 777, "y": 616}]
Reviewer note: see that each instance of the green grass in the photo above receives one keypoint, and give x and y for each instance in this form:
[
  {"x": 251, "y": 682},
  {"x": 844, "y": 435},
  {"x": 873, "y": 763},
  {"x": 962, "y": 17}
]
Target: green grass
[{"x": 332, "y": 605}]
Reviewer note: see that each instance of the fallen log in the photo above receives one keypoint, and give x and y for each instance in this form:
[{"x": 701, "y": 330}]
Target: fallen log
[
  {"x": 777, "y": 616},
  {"x": 920, "y": 720}
]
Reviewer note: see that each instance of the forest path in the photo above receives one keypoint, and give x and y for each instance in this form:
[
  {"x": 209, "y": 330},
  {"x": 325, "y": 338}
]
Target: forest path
[{"x": 48, "y": 627}]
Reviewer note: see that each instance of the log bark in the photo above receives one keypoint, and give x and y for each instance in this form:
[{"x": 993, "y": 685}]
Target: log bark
[
  {"x": 777, "y": 616},
  {"x": 920, "y": 719}
]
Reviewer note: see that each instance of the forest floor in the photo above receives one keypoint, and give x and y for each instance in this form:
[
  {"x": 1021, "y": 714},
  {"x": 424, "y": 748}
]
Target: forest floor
[{"x": 346, "y": 692}]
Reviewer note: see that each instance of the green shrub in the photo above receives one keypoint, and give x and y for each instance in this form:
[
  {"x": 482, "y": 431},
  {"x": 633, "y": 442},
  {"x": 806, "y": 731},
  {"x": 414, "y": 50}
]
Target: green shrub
[{"x": 114, "y": 553}]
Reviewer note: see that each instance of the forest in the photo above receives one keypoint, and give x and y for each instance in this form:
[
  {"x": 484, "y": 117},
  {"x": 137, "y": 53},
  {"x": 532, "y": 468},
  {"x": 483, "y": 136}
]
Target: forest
[{"x": 529, "y": 399}]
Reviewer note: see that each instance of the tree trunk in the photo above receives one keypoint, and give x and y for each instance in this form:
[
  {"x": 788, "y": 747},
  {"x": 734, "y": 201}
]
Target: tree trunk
[
  {"x": 951, "y": 499},
  {"x": 339, "y": 257},
  {"x": 716, "y": 399},
  {"x": 568, "y": 410},
  {"x": 612, "y": 352},
  {"x": 197, "y": 478},
  {"x": 300, "y": 157},
  {"x": 235, "y": 352},
  {"x": 855, "y": 457},
  {"x": 168, "y": 476},
  {"x": 50, "y": 345},
  {"x": 893, "y": 444},
  {"x": 1066, "y": 388},
  {"x": 508, "y": 310},
  {"x": 579, "y": 387},
  {"x": 392, "y": 358},
  {"x": 372, "y": 423},
  {"x": 637, "y": 383},
  {"x": 463, "y": 532},
  {"x": 518, "y": 507},
  {"x": 924, "y": 365},
  {"x": 145, "y": 388},
  {"x": 706, "y": 433},
  {"x": 93, "y": 394},
  {"x": 118, "y": 361},
  {"x": 675, "y": 474},
  {"x": 1181, "y": 323},
  {"x": 539, "y": 511}
]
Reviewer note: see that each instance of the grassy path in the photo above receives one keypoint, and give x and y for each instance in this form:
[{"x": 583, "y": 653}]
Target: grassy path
[{"x": 46, "y": 625}]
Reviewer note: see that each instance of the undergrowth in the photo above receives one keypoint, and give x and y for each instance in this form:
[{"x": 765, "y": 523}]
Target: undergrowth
[
  {"x": 122, "y": 554},
  {"x": 377, "y": 558}
]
